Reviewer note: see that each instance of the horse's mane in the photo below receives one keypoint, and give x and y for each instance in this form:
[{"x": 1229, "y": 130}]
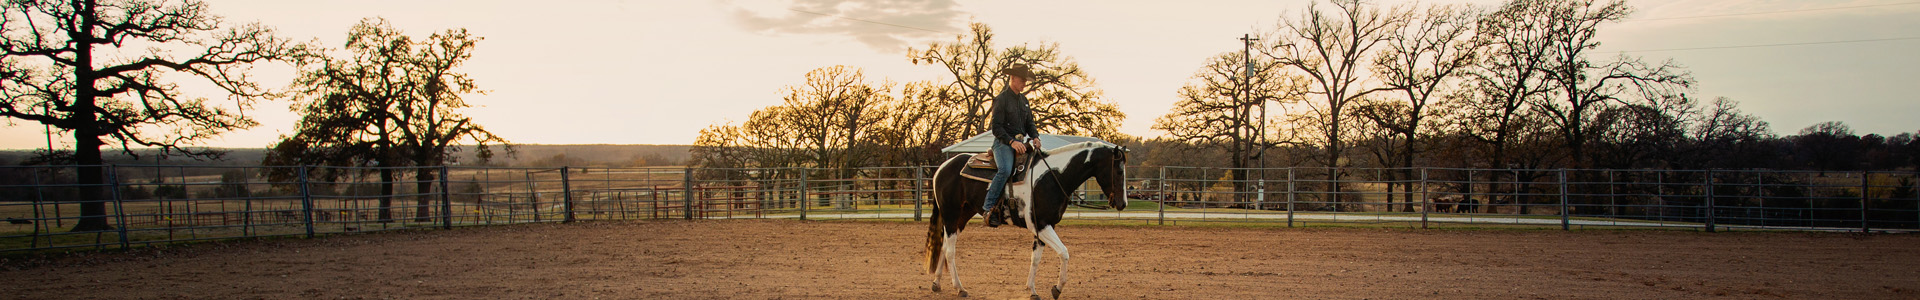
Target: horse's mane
[{"x": 1076, "y": 147}]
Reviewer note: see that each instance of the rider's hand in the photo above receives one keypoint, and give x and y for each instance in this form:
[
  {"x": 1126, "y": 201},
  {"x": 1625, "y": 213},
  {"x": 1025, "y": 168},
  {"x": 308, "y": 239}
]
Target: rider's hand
[
  {"x": 1019, "y": 148},
  {"x": 1036, "y": 145}
]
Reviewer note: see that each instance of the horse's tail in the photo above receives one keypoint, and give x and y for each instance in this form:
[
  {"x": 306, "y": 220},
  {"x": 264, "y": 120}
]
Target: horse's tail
[
  {"x": 936, "y": 222},
  {"x": 935, "y": 240}
]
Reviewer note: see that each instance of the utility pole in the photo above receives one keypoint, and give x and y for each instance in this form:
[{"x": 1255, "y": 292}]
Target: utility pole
[
  {"x": 1260, "y": 129},
  {"x": 1246, "y": 56}
]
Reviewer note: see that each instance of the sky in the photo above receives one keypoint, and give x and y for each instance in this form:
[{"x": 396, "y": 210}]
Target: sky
[{"x": 656, "y": 72}]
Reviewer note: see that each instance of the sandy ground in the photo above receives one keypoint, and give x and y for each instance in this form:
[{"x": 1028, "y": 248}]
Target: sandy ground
[{"x": 781, "y": 259}]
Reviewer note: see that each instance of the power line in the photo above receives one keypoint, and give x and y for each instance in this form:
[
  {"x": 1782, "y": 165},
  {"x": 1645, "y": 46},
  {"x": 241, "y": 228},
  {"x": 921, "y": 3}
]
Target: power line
[
  {"x": 1771, "y": 12},
  {"x": 873, "y": 22},
  {"x": 1785, "y": 44}
]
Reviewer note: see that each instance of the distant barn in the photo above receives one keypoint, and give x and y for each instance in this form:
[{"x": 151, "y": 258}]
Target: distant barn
[{"x": 984, "y": 142}]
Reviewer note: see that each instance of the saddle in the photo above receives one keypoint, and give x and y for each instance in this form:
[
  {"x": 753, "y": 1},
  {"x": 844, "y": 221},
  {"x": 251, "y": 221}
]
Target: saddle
[{"x": 981, "y": 167}]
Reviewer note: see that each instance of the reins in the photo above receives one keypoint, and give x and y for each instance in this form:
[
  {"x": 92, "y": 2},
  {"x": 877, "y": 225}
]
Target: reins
[{"x": 1076, "y": 199}]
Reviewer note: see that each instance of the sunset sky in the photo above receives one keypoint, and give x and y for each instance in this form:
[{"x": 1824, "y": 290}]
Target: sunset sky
[{"x": 656, "y": 72}]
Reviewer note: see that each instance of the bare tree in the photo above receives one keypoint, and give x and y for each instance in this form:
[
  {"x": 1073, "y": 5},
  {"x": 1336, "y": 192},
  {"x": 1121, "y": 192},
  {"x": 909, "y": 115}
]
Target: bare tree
[
  {"x": 719, "y": 146},
  {"x": 1424, "y": 59},
  {"x": 95, "y": 68},
  {"x": 825, "y": 122},
  {"x": 1064, "y": 98},
  {"x": 1219, "y": 109},
  {"x": 1505, "y": 80},
  {"x": 918, "y": 125},
  {"x": 1331, "y": 48},
  {"x": 394, "y": 101},
  {"x": 1585, "y": 87},
  {"x": 1729, "y": 138}
]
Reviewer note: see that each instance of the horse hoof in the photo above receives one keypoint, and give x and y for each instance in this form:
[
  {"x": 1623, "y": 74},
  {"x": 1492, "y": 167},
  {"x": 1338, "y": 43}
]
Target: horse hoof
[
  {"x": 936, "y": 288},
  {"x": 1056, "y": 293},
  {"x": 1035, "y": 297},
  {"x": 963, "y": 293}
]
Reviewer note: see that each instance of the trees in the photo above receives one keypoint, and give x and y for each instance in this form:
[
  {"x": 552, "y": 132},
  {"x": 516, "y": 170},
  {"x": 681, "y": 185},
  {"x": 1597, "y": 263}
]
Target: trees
[
  {"x": 1331, "y": 49},
  {"x": 1064, "y": 97},
  {"x": 832, "y": 114},
  {"x": 1218, "y": 108},
  {"x": 1424, "y": 59},
  {"x": 394, "y": 101},
  {"x": 1725, "y": 137},
  {"x": 918, "y": 126},
  {"x": 825, "y": 122},
  {"x": 838, "y": 119},
  {"x": 95, "y": 68},
  {"x": 1585, "y": 87},
  {"x": 1828, "y": 146}
]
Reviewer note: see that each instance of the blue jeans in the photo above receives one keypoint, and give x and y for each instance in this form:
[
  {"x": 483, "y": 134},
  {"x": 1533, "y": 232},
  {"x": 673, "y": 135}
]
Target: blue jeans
[{"x": 1003, "y": 159}]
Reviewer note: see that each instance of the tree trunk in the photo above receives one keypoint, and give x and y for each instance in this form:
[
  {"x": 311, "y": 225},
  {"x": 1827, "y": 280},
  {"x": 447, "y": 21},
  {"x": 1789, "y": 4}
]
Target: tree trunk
[
  {"x": 1406, "y": 161},
  {"x": 94, "y": 192},
  {"x": 86, "y": 128},
  {"x": 385, "y": 159},
  {"x": 423, "y": 183},
  {"x": 386, "y": 193},
  {"x": 1333, "y": 173}
]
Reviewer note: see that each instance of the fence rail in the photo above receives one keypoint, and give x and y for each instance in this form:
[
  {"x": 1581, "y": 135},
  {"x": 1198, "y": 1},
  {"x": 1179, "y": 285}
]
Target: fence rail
[{"x": 160, "y": 204}]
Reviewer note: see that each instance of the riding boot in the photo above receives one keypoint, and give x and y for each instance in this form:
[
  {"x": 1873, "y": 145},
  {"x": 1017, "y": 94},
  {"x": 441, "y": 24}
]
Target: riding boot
[{"x": 995, "y": 217}]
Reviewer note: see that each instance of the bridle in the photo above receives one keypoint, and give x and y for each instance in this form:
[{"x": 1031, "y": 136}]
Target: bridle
[{"x": 1076, "y": 200}]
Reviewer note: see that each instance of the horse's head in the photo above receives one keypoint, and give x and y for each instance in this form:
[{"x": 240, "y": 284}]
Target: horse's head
[{"x": 1110, "y": 170}]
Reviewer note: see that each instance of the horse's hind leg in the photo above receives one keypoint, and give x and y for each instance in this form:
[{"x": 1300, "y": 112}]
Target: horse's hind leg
[
  {"x": 937, "y": 268},
  {"x": 953, "y": 268},
  {"x": 1052, "y": 239}
]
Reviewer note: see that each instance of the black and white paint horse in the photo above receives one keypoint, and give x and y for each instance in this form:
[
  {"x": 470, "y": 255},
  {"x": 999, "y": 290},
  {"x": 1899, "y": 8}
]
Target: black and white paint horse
[{"x": 1037, "y": 203}]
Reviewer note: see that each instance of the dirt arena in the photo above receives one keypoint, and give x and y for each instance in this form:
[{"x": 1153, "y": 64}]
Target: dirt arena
[{"x": 781, "y": 259}]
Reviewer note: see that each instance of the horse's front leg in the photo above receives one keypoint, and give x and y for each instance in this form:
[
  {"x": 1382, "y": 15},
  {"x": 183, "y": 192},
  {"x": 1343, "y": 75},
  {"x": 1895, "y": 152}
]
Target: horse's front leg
[
  {"x": 1033, "y": 270},
  {"x": 1051, "y": 239}
]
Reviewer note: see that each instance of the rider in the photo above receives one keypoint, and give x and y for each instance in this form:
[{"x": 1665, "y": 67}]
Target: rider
[{"x": 1012, "y": 126}]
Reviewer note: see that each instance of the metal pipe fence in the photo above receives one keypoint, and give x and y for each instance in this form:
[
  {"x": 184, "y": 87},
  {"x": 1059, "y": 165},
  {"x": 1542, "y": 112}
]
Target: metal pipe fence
[{"x": 163, "y": 204}]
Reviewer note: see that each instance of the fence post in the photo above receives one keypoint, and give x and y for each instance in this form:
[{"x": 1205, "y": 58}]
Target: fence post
[
  {"x": 246, "y": 208},
  {"x": 804, "y": 201},
  {"x": 446, "y": 200},
  {"x": 306, "y": 200},
  {"x": 1863, "y": 201},
  {"x": 113, "y": 183},
  {"x": 1164, "y": 195},
  {"x": 686, "y": 189},
  {"x": 1710, "y": 216},
  {"x": 1426, "y": 200},
  {"x": 533, "y": 196},
  {"x": 916, "y": 193},
  {"x": 1564, "y": 221},
  {"x": 566, "y": 194},
  {"x": 1290, "y": 197}
]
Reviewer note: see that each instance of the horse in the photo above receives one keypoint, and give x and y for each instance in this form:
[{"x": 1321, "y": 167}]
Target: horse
[
  {"x": 1036, "y": 203},
  {"x": 1445, "y": 203}
]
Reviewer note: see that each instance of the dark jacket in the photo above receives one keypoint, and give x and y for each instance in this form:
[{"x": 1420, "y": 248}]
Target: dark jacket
[{"x": 1011, "y": 116}]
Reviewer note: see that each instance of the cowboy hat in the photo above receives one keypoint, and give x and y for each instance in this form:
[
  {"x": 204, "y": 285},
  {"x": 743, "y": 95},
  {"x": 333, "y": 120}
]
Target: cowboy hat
[{"x": 1018, "y": 69}]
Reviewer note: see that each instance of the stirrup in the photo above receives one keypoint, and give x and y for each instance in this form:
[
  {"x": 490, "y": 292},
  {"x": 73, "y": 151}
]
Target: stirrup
[{"x": 995, "y": 217}]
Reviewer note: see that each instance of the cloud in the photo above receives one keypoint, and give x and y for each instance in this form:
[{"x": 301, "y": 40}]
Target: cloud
[{"x": 884, "y": 25}]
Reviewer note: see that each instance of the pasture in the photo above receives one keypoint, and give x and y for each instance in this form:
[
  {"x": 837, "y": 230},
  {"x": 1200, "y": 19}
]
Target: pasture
[{"x": 762, "y": 259}]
